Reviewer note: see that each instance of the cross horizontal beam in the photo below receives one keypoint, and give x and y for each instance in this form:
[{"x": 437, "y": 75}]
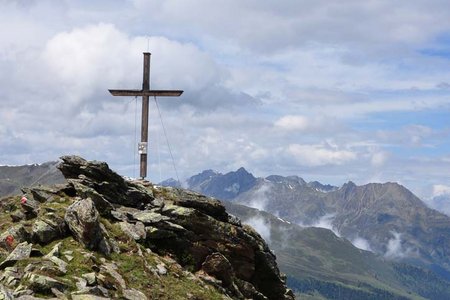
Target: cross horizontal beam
[{"x": 159, "y": 93}]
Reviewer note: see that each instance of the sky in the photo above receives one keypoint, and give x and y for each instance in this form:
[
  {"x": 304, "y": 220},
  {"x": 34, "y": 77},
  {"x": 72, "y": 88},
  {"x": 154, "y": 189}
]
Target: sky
[{"x": 327, "y": 90}]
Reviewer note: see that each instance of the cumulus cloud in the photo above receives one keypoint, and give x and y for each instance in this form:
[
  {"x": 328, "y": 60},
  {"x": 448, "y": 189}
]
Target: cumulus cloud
[
  {"x": 293, "y": 122},
  {"x": 317, "y": 155},
  {"x": 92, "y": 58},
  {"x": 304, "y": 124}
]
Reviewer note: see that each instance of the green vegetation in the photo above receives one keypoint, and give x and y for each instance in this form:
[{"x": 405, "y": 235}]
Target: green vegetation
[
  {"x": 137, "y": 271},
  {"x": 7, "y": 205},
  {"x": 174, "y": 285}
]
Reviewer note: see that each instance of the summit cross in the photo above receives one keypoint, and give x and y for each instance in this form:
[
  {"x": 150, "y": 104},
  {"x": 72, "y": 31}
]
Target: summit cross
[{"x": 146, "y": 92}]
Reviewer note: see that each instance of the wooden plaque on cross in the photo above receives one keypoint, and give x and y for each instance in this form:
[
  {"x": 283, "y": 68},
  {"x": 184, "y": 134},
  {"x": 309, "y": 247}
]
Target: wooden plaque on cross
[{"x": 145, "y": 92}]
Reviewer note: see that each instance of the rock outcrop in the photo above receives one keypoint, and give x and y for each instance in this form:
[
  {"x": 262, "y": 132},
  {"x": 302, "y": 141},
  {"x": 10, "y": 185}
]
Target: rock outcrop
[{"x": 101, "y": 236}]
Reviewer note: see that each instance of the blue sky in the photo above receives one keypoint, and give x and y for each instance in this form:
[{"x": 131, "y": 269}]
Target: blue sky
[{"x": 327, "y": 90}]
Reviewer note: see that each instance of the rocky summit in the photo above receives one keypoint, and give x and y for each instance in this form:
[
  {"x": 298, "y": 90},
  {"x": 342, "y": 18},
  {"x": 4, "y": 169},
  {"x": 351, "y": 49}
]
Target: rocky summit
[{"x": 99, "y": 236}]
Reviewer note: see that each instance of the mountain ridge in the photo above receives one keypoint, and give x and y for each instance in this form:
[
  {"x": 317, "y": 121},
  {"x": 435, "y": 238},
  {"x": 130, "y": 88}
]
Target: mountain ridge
[
  {"x": 387, "y": 217},
  {"x": 12, "y": 178}
]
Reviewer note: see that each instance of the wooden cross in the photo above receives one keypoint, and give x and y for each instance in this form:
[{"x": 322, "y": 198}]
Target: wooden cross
[{"x": 145, "y": 93}]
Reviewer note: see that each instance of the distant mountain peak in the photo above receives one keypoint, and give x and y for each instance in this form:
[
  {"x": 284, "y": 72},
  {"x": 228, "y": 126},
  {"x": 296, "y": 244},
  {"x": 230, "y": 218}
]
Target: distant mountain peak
[
  {"x": 202, "y": 177},
  {"x": 322, "y": 187},
  {"x": 242, "y": 170},
  {"x": 170, "y": 182},
  {"x": 222, "y": 186},
  {"x": 349, "y": 185},
  {"x": 289, "y": 180},
  {"x": 275, "y": 178},
  {"x": 209, "y": 172},
  {"x": 297, "y": 179},
  {"x": 240, "y": 175}
]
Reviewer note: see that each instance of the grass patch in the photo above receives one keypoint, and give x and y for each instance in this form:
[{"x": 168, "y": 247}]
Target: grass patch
[
  {"x": 164, "y": 193},
  {"x": 174, "y": 286},
  {"x": 181, "y": 289},
  {"x": 57, "y": 204},
  {"x": 125, "y": 243},
  {"x": 7, "y": 206},
  {"x": 132, "y": 268}
]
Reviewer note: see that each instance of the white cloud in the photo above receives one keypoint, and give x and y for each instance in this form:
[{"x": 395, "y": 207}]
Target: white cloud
[
  {"x": 306, "y": 124},
  {"x": 259, "y": 199},
  {"x": 293, "y": 122},
  {"x": 440, "y": 190},
  {"x": 411, "y": 135},
  {"x": 326, "y": 221},
  {"x": 318, "y": 155},
  {"x": 361, "y": 243},
  {"x": 67, "y": 108},
  {"x": 440, "y": 203},
  {"x": 440, "y": 198},
  {"x": 380, "y": 24},
  {"x": 379, "y": 158},
  {"x": 395, "y": 248},
  {"x": 261, "y": 226},
  {"x": 96, "y": 57}
]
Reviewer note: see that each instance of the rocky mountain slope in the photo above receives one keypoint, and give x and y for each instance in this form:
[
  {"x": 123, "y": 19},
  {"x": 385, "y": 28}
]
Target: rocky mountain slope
[
  {"x": 388, "y": 218},
  {"x": 13, "y": 178},
  {"x": 99, "y": 236},
  {"x": 321, "y": 265}
]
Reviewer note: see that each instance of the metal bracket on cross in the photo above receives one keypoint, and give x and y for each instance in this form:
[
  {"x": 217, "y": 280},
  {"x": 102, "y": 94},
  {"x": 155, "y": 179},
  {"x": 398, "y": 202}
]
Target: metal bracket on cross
[{"x": 142, "y": 148}]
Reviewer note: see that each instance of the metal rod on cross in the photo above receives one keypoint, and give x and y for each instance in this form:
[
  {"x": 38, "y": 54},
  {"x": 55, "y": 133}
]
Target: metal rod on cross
[{"x": 145, "y": 93}]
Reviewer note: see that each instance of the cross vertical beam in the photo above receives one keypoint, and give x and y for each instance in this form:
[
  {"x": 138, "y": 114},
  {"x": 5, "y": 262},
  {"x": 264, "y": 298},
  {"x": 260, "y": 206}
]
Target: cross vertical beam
[
  {"x": 144, "y": 122},
  {"x": 145, "y": 93}
]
